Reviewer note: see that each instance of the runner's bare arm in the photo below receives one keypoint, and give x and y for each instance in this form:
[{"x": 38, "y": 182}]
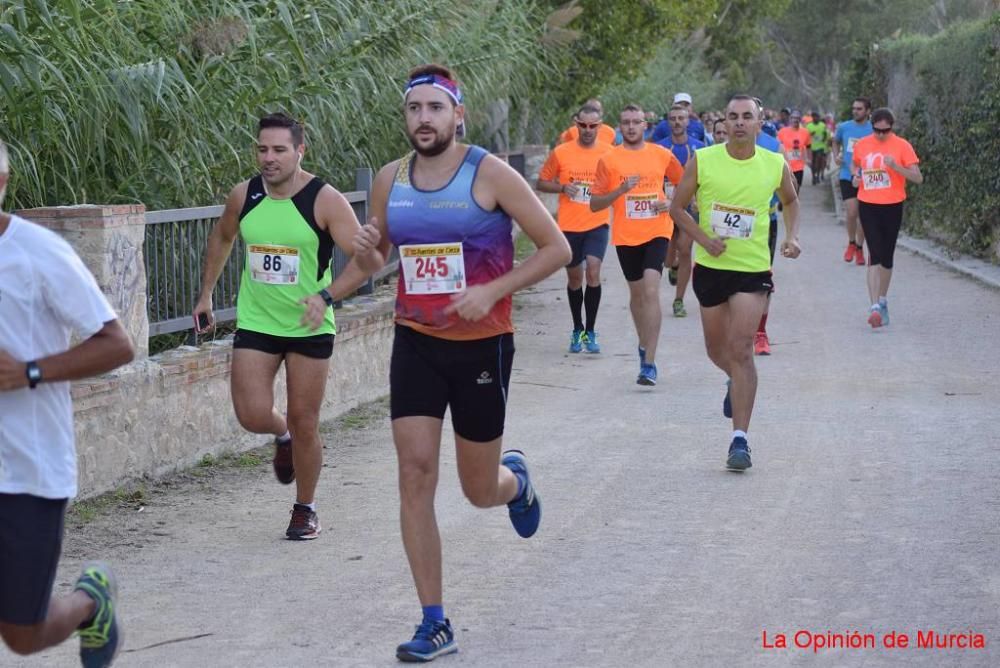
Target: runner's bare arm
[
  {"x": 506, "y": 189},
  {"x": 911, "y": 173},
  {"x": 381, "y": 186},
  {"x": 108, "y": 349},
  {"x": 790, "y": 213},
  {"x": 554, "y": 186},
  {"x": 357, "y": 240},
  {"x": 217, "y": 250},
  {"x": 601, "y": 202},
  {"x": 335, "y": 215},
  {"x": 683, "y": 196}
]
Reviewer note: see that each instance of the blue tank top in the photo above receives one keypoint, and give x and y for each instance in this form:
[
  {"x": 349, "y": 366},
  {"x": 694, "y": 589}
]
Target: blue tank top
[{"x": 449, "y": 217}]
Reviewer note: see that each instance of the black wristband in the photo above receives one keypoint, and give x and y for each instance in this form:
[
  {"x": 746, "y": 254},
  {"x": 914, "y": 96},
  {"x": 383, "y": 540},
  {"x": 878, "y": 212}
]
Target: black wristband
[
  {"x": 327, "y": 297},
  {"x": 33, "y": 373}
]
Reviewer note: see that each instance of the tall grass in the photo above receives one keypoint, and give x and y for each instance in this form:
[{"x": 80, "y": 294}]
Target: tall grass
[{"x": 156, "y": 102}]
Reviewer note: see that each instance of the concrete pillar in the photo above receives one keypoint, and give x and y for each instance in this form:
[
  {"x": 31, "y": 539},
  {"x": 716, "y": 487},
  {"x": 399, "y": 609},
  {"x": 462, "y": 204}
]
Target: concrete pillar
[{"x": 109, "y": 240}]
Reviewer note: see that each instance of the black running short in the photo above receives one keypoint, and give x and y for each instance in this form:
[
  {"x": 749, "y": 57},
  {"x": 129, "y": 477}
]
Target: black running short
[
  {"x": 798, "y": 176},
  {"x": 847, "y": 190},
  {"x": 881, "y": 223},
  {"x": 592, "y": 242},
  {"x": 428, "y": 374},
  {"x": 635, "y": 260},
  {"x": 31, "y": 532},
  {"x": 713, "y": 287},
  {"x": 319, "y": 346}
]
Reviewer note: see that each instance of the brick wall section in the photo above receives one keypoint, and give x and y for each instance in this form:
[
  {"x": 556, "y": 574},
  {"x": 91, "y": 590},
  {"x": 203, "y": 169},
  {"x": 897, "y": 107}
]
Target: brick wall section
[
  {"x": 109, "y": 240},
  {"x": 166, "y": 412}
]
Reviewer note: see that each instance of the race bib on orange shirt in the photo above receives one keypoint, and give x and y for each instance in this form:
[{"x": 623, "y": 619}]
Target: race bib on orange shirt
[
  {"x": 582, "y": 195},
  {"x": 641, "y": 207},
  {"x": 274, "y": 265},
  {"x": 875, "y": 179},
  {"x": 432, "y": 269},
  {"x": 796, "y": 154},
  {"x": 732, "y": 222}
]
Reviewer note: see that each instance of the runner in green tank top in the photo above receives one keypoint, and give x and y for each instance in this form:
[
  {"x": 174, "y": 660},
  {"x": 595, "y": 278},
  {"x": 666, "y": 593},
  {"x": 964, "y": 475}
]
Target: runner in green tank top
[
  {"x": 734, "y": 183},
  {"x": 289, "y": 221}
]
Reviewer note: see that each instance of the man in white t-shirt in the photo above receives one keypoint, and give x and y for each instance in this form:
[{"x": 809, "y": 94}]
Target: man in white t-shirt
[{"x": 46, "y": 294}]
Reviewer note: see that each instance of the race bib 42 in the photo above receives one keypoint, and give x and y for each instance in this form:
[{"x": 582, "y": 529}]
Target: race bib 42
[{"x": 729, "y": 222}]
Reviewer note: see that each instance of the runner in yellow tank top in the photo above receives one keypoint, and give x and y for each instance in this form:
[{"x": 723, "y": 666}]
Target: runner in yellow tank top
[
  {"x": 734, "y": 183},
  {"x": 289, "y": 222}
]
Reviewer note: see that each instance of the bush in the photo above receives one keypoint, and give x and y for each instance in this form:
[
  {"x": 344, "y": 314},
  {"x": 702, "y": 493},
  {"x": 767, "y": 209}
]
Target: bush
[
  {"x": 954, "y": 82},
  {"x": 150, "y": 102}
]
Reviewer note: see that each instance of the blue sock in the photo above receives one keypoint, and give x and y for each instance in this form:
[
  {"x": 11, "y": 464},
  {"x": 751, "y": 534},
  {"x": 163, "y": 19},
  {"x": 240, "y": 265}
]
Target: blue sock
[{"x": 434, "y": 613}]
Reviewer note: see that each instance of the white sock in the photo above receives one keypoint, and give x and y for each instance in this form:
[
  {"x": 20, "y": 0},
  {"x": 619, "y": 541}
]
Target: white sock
[
  {"x": 739, "y": 433},
  {"x": 874, "y": 307},
  {"x": 285, "y": 438},
  {"x": 310, "y": 506}
]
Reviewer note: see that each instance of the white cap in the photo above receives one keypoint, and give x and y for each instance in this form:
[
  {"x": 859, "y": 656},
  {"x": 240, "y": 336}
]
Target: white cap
[{"x": 682, "y": 97}]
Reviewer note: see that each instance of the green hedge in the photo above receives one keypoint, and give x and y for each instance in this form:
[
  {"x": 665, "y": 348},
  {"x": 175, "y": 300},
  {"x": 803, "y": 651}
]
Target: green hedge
[
  {"x": 954, "y": 125},
  {"x": 156, "y": 102}
]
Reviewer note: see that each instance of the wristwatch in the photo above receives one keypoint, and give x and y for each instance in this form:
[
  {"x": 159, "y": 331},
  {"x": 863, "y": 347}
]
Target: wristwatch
[
  {"x": 33, "y": 373},
  {"x": 326, "y": 297}
]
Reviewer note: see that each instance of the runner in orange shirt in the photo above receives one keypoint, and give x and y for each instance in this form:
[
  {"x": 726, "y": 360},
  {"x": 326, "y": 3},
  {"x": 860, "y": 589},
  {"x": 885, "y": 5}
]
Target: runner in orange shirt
[
  {"x": 605, "y": 134},
  {"x": 570, "y": 170},
  {"x": 630, "y": 179},
  {"x": 796, "y": 140},
  {"x": 883, "y": 163}
]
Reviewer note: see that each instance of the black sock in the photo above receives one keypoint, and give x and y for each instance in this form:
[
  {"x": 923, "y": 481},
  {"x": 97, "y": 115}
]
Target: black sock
[
  {"x": 592, "y": 300},
  {"x": 576, "y": 306}
]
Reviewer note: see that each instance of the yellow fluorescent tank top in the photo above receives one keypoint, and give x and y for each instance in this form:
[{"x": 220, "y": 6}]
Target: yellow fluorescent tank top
[
  {"x": 734, "y": 198},
  {"x": 287, "y": 258}
]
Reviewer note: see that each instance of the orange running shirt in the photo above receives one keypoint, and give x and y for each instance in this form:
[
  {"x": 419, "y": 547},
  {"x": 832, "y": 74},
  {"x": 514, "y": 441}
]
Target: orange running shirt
[
  {"x": 605, "y": 134},
  {"x": 795, "y": 142},
  {"x": 572, "y": 163},
  {"x": 634, "y": 222},
  {"x": 881, "y": 184}
]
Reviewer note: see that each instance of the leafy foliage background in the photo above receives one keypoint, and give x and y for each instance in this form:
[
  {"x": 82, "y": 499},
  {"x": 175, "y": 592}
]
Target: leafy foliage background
[{"x": 946, "y": 90}]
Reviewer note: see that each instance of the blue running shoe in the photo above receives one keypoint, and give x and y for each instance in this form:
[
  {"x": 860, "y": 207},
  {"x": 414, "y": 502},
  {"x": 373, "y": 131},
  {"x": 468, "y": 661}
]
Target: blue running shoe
[
  {"x": 432, "y": 639},
  {"x": 739, "y": 455},
  {"x": 883, "y": 307},
  {"x": 526, "y": 510},
  {"x": 647, "y": 375},
  {"x": 727, "y": 404},
  {"x": 100, "y": 637},
  {"x": 576, "y": 341},
  {"x": 590, "y": 342}
]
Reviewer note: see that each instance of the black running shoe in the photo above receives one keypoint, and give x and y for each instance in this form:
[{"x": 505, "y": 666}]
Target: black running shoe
[{"x": 304, "y": 524}]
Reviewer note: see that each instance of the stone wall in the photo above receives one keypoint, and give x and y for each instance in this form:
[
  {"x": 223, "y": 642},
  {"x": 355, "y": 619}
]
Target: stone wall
[
  {"x": 162, "y": 413},
  {"x": 166, "y": 412}
]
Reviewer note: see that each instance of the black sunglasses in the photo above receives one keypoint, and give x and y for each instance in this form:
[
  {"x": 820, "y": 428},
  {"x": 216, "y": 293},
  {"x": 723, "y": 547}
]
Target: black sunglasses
[{"x": 882, "y": 131}]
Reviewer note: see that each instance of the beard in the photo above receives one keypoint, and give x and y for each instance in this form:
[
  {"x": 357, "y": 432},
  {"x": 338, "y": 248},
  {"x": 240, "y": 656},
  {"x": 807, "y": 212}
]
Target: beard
[{"x": 437, "y": 147}]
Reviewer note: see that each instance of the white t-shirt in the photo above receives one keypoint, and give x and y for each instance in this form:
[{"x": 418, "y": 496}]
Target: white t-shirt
[{"x": 45, "y": 294}]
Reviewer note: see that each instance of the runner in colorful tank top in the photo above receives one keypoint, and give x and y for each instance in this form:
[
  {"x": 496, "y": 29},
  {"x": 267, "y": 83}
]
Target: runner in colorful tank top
[
  {"x": 289, "y": 221},
  {"x": 447, "y": 207}
]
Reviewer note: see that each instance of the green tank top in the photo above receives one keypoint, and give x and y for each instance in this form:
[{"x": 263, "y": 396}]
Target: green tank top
[
  {"x": 733, "y": 201},
  {"x": 287, "y": 257}
]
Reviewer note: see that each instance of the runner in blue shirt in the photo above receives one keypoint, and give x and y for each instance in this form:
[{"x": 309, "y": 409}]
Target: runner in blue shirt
[
  {"x": 683, "y": 146},
  {"x": 847, "y": 134},
  {"x": 766, "y": 139}
]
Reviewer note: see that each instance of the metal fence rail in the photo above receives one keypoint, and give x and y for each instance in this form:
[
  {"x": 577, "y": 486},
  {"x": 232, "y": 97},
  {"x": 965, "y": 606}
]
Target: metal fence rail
[
  {"x": 175, "y": 248},
  {"x": 174, "y": 251}
]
